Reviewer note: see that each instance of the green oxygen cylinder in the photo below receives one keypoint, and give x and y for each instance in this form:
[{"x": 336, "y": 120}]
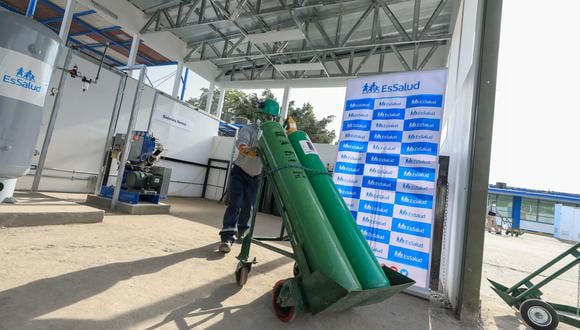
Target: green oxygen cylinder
[
  {"x": 308, "y": 223},
  {"x": 360, "y": 255}
]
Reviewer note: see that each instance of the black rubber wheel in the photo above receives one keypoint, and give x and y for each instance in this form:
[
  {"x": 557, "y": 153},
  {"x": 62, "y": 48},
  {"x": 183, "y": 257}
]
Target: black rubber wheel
[
  {"x": 539, "y": 315},
  {"x": 242, "y": 275},
  {"x": 296, "y": 270},
  {"x": 284, "y": 314}
]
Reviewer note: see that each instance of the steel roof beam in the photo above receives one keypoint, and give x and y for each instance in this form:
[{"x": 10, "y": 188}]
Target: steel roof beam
[
  {"x": 300, "y": 26},
  {"x": 253, "y": 14},
  {"x": 395, "y": 21},
  {"x": 350, "y": 57},
  {"x": 245, "y": 34},
  {"x": 110, "y": 28},
  {"x": 60, "y": 18},
  {"x": 96, "y": 31},
  {"x": 356, "y": 25},
  {"x": 416, "y": 18},
  {"x": 375, "y": 24},
  {"x": 281, "y": 25},
  {"x": 415, "y": 56},
  {"x": 338, "y": 29},
  {"x": 361, "y": 45},
  {"x": 364, "y": 60},
  {"x": 428, "y": 56},
  {"x": 432, "y": 19},
  {"x": 400, "y": 58}
]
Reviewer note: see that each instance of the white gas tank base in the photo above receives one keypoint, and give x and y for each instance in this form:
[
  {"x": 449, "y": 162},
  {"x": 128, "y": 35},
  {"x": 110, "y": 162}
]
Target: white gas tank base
[{"x": 7, "y": 187}]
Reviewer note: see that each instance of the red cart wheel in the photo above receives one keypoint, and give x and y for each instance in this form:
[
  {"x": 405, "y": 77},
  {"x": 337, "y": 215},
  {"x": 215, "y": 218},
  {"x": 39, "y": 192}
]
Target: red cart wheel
[{"x": 284, "y": 314}]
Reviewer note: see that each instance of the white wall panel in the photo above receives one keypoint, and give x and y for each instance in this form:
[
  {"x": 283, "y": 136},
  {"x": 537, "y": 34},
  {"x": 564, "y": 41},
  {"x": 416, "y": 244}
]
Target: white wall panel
[
  {"x": 79, "y": 137},
  {"x": 222, "y": 148},
  {"x": 183, "y": 144},
  {"x": 455, "y": 142},
  {"x": 537, "y": 227}
]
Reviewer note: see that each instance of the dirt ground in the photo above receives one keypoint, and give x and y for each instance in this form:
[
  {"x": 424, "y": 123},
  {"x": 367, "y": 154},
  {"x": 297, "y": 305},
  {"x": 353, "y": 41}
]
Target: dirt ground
[{"x": 163, "y": 272}]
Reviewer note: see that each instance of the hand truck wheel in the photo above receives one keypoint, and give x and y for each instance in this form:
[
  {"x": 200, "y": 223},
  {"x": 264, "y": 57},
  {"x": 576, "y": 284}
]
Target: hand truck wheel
[
  {"x": 242, "y": 275},
  {"x": 283, "y": 313},
  {"x": 539, "y": 315},
  {"x": 296, "y": 270}
]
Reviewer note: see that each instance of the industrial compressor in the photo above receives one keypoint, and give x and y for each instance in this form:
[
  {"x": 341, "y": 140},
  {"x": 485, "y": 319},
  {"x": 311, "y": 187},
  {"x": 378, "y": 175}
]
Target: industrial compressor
[
  {"x": 142, "y": 180},
  {"x": 335, "y": 269},
  {"x": 28, "y": 55}
]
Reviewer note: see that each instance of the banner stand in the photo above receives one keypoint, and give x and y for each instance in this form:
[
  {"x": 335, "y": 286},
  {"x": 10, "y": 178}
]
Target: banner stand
[{"x": 387, "y": 164}]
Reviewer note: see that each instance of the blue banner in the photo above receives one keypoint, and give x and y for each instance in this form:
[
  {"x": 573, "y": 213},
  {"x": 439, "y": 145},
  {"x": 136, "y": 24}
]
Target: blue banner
[
  {"x": 352, "y": 146},
  {"x": 349, "y": 168},
  {"x": 382, "y": 159},
  {"x": 356, "y": 125},
  {"x": 375, "y": 234},
  {"x": 383, "y": 209},
  {"x": 389, "y": 114},
  {"x": 387, "y": 162},
  {"x": 361, "y": 104},
  {"x": 386, "y": 136}
]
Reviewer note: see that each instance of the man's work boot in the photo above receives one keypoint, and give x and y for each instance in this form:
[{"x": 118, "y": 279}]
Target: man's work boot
[{"x": 225, "y": 247}]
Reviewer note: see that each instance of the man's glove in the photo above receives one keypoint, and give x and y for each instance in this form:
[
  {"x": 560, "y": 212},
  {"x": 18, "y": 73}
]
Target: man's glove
[{"x": 248, "y": 152}]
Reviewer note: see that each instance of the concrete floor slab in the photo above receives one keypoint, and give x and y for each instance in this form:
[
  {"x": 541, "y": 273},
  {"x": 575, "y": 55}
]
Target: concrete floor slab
[
  {"x": 163, "y": 272},
  {"x": 135, "y": 209},
  {"x": 39, "y": 209}
]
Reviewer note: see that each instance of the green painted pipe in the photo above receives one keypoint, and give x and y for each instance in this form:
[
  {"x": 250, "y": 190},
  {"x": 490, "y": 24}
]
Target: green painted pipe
[
  {"x": 360, "y": 255},
  {"x": 308, "y": 223}
]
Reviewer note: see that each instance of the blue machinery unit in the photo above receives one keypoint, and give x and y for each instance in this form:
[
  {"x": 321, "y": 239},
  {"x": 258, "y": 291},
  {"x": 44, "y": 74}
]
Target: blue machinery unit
[{"x": 142, "y": 181}]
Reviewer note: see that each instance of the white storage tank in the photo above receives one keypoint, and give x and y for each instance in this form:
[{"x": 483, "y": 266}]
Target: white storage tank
[{"x": 28, "y": 55}]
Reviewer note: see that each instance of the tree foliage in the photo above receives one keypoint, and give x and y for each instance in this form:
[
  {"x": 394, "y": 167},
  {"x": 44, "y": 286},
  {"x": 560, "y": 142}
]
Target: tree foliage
[
  {"x": 237, "y": 103},
  {"x": 306, "y": 121}
]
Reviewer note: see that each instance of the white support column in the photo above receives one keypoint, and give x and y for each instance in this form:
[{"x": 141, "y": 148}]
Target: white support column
[
  {"x": 177, "y": 81},
  {"x": 220, "y": 106},
  {"x": 66, "y": 20},
  {"x": 209, "y": 101},
  {"x": 134, "y": 50},
  {"x": 284, "y": 108}
]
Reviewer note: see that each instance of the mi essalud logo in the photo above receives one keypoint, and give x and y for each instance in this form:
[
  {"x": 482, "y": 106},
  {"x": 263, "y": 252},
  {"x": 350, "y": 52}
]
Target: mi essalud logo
[{"x": 23, "y": 79}]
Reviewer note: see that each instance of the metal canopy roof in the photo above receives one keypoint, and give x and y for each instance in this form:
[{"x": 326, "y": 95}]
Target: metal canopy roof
[
  {"x": 89, "y": 32},
  {"x": 261, "y": 40}
]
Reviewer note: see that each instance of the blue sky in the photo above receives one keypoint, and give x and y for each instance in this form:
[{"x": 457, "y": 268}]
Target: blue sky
[{"x": 536, "y": 128}]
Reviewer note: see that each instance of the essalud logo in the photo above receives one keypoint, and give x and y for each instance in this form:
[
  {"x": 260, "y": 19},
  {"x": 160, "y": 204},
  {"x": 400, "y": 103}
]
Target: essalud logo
[
  {"x": 23, "y": 79},
  {"x": 372, "y": 88},
  {"x": 28, "y": 75}
]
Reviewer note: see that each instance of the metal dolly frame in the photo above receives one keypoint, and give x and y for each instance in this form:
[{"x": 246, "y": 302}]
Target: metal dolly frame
[
  {"x": 245, "y": 264},
  {"x": 287, "y": 296},
  {"x": 526, "y": 296}
]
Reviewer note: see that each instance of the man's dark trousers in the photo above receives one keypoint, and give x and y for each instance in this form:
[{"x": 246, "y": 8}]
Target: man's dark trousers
[{"x": 242, "y": 197}]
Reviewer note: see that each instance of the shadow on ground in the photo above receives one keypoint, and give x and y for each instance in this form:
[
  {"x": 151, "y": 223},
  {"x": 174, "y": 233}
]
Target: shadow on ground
[
  {"x": 507, "y": 321},
  {"x": 210, "y": 213},
  {"x": 22, "y": 304},
  {"x": 18, "y": 313}
]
